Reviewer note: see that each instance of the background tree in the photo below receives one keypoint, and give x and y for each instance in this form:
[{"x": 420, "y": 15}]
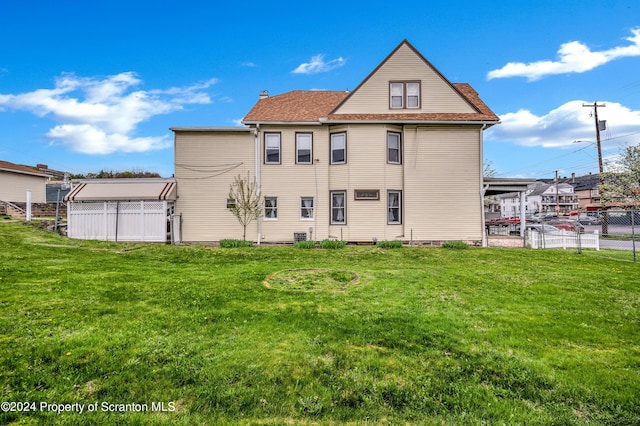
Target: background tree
[
  {"x": 489, "y": 171},
  {"x": 247, "y": 206},
  {"x": 113, "y": 174},
  {"x": 622, "y": 182}
]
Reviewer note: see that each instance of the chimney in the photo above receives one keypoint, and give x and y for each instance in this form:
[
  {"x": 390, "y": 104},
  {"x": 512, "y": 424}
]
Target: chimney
[
  {"x": 42, "y": 166},
  {"x": 573, "y": 177},
  {"x": 264, "y": 94}
]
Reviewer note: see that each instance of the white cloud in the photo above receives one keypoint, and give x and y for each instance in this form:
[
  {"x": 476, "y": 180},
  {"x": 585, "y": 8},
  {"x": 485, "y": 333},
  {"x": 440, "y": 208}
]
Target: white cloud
[
  {"x": 318, "y": 65},
  {"x": 88, "y": 139},
  {"x": 100, "y": 115},
  {"x": 573, "y": 57},
  {"x": 569, "y": 122}
]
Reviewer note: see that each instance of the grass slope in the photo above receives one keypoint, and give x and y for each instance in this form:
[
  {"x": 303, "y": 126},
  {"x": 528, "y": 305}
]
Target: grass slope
[{"x": 422, "y": 336}]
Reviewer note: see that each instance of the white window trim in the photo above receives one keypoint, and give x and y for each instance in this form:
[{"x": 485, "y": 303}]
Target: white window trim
[
  {"x": 331, "y": 148},
  {"x": 266, "y": 138},
  {"x": 399, "y": 135},
  {"x": 399, "y": 207},
  {"x": 399, "y": 84},
  {"x": 302, "y": 206},
  {"x": 275, "y": 208},
  {"x": 298, "y": 140},
  {"x": 344, "y": 207},
  {"x": 405, "y": 94}
]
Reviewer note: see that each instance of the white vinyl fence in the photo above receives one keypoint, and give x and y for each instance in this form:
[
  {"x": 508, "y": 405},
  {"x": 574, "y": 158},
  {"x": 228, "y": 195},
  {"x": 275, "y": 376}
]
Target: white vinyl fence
[
  {"x": 564, "y": 239},
  {"x": 118, "y": 220}
]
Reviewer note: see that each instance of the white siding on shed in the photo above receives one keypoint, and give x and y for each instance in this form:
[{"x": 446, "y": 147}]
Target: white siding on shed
[{"x": 14, "y": 187}]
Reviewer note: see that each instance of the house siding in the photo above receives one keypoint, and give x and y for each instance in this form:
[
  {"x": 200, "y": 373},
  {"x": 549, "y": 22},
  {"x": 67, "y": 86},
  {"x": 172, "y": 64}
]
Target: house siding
[
  {"x": 366, "y": 169},
  {"x": 14, "y": 187},
  {"x": 437, "y": 95},
  {"x": 206, "y": 164},
  {"x": 289, "y": 182},
  {"x": 442, "y": 184},
  {"x": 439, "y": 175}
]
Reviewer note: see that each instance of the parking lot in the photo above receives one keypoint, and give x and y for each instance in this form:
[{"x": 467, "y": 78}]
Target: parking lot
[{"x": 621, "y": 228}]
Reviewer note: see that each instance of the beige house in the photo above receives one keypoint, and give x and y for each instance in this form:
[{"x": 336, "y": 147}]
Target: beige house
[
  {"x": 16, "y": 180},
  {"x": 399, "y": 157}
]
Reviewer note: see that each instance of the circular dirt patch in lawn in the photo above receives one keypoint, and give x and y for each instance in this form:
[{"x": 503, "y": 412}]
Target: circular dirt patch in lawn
[{"x": 311, "y": 279}]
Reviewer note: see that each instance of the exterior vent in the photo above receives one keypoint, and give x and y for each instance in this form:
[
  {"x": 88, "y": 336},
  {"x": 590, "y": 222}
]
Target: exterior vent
[{"x": 299, "y": 236}]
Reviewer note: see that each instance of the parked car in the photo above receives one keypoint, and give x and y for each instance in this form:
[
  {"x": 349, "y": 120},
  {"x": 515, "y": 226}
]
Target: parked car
[
  {"x": 567, "y": 225},
  {"x": 535, "y": 218},
  {"x": 544, "y": 228},
  {"x": 589, "y": 220},
  {"x": 547, "y": 216}
]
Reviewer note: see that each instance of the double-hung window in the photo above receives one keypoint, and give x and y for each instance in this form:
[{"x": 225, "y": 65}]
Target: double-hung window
[
  {"x": 338, "y": 207},
  {"x": 306, "y": 208},
  {"x": 396, "y": 95},
  {"x": 393, "y": 148},
  {"x": 304, "y": 148},
  {"x": 272, "y": 148},
  {"x": 394, "y": 207},
  {"x": 270, "y": 208},
  {"x": 413, "y": 94},
  {"x": 338, "y": 148},
  {"x": 404, "y": 94}
]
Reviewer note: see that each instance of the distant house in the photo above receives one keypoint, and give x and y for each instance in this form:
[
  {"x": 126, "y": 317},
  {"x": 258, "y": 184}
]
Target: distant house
[
  {"x": 16, "y": 180},
  {"x": 399, "y": 157},
  {"x": 541, "y": 198},
  {"x": 586, "y": 188}
]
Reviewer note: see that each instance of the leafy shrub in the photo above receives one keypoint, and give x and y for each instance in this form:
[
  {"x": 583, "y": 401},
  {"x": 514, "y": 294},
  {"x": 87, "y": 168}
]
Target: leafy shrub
[
  {"x": 229, "y": 243},
  {"x": 389, "y": 244},
  {"x": 332, "y": 244},
  {"x": 455, "y": 245},
  {"x": 305, "y": 244}
]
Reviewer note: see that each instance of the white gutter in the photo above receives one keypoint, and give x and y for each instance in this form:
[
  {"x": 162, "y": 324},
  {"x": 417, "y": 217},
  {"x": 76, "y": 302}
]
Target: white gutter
[
  {"x": 410, "y": 122},
  {"x": 286, "y": 123}
]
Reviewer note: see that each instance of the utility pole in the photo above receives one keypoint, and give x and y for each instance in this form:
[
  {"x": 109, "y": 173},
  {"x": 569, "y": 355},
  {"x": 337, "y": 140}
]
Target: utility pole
[
  {"x": 557, "y": 197},
  {"x": 595, "y": 106}
]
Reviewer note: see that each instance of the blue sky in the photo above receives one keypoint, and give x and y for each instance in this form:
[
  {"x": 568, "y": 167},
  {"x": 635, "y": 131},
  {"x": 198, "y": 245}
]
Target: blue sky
[{"x": 86, "y": 86}]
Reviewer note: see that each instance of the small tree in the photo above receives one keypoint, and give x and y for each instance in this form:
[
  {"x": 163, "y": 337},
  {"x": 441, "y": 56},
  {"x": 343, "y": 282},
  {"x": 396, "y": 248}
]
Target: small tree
[{"x": 247, "y": 206}]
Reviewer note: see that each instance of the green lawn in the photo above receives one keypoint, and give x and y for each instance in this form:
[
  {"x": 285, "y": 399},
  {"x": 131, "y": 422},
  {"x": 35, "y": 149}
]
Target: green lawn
[{"x": 283, "y": 335}]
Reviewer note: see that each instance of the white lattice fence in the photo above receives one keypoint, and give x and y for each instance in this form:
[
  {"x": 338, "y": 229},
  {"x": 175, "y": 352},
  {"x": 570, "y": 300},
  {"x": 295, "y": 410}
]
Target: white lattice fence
[
  {"x": 564, "y": 239},
  {"x": 118, "y": 221}
]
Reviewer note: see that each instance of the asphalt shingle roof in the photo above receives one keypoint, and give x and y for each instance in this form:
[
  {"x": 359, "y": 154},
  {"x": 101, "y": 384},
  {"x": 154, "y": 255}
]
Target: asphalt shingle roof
[{"x": 311, "y": 106}]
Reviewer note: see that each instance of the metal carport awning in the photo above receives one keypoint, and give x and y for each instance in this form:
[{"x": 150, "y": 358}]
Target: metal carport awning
[
  {"x": 497, "y": 186},
  {"x": 123, "y": 190}
]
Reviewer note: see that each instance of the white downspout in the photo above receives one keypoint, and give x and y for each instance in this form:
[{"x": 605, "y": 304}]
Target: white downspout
[
  {"x": 483, "y": 187},
  {"x": 256, "y": 134}
]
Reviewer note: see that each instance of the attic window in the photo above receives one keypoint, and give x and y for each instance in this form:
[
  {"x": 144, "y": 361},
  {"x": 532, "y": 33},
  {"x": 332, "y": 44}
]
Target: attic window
[{"x": 404, "y": 94}]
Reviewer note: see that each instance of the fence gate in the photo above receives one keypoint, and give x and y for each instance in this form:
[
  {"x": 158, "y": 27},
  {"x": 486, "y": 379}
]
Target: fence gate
[{"x": 132, "y": 221}]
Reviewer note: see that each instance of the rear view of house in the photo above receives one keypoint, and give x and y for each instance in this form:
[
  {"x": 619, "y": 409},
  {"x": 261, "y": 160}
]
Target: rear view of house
[{"x": 390, "y": 160}]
